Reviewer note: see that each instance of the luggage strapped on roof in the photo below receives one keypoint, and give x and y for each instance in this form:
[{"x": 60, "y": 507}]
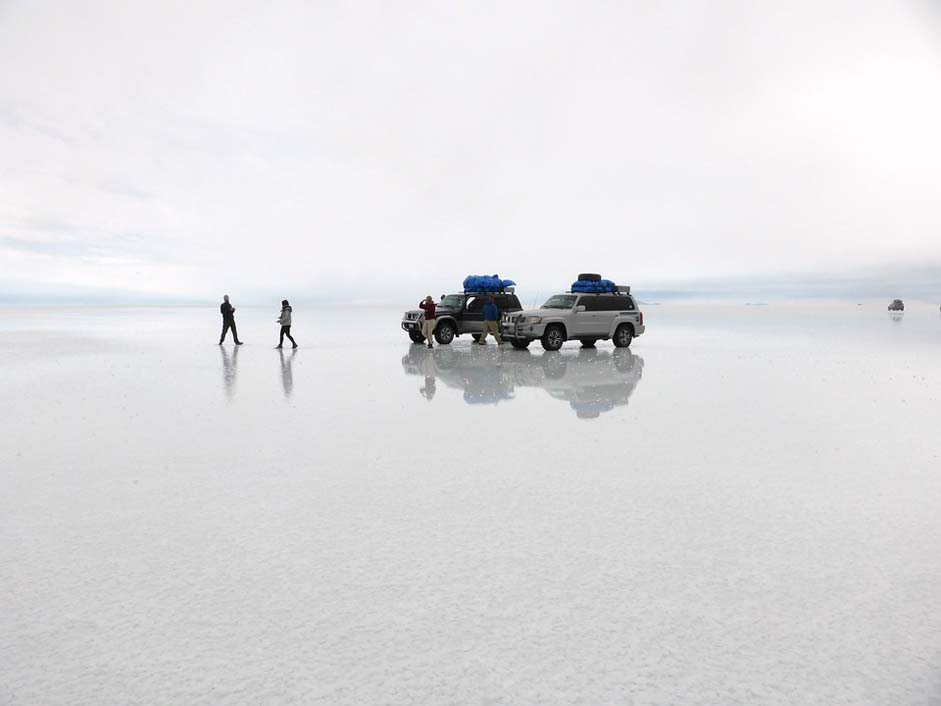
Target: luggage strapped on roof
[
  {"x": 486, "y": 283},
  {"x": 584, "y": 286}
]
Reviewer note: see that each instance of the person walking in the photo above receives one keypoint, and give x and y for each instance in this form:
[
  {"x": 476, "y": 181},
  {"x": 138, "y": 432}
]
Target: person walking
[
  {"x": 428, "y": 326},
  {"x": 285, "y": 320},
  {"x": 228, "y": 321},
  {"x": 491, "y": 317}
]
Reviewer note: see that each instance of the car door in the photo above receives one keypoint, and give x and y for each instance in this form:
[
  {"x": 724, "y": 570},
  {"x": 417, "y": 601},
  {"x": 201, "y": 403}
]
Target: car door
[
  {"x": 583, "y": 322},
  {"x": 609, "y": 307},
  {"x": 473, "y": 317}
]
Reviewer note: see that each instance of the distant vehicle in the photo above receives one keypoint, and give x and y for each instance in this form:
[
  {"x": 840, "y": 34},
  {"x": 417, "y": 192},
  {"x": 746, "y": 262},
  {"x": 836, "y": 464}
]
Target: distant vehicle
[
  {"x": 608, "y": 312},
  {"x": 896, "y": 305},
  {"x": 459, "y": 314}
]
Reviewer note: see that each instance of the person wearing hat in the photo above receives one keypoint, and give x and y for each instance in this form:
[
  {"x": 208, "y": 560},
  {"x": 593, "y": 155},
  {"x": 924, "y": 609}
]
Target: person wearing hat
[{"x": 428, "y": 325}]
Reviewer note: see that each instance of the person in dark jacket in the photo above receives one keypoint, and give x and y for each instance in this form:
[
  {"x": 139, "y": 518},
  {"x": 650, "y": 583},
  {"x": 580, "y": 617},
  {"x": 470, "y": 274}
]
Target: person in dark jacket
[
  {"x": 228, "y": 321},
  {"x": 428, "y": 326},
  {"x": 491, "y": 318},
  {"x": 285, "y": 320}
]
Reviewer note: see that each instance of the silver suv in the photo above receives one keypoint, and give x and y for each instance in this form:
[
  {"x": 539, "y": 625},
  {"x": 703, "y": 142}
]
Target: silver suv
[{"x": 576, "y": 316}]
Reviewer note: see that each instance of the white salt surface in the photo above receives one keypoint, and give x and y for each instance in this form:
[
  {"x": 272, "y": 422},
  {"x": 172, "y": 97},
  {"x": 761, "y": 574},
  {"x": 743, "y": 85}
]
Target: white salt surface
[{"x": 744, "y": 509}]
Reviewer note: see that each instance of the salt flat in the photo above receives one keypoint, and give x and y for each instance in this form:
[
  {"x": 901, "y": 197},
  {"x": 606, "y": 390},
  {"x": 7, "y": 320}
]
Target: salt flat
[{"x": 741, "y": 509}]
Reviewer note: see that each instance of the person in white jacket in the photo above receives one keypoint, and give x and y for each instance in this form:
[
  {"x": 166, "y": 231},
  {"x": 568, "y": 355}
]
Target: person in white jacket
[{"x": 285, "y": 321}]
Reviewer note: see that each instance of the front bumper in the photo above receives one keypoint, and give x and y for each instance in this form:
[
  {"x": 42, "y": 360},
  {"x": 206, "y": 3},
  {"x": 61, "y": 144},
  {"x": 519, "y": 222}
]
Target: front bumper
[
  {"x": 515, "y": 331},
  {"x": 409, "y": 325}
]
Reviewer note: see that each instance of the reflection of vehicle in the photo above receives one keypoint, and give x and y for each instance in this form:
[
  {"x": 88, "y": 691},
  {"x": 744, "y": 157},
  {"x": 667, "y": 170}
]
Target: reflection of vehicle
[
  {"x": 896, "y": 305},
  {"x": 457, "y": 314},
  {"x": 585, "y": 317},
  {"x": 591, "y": 381}
]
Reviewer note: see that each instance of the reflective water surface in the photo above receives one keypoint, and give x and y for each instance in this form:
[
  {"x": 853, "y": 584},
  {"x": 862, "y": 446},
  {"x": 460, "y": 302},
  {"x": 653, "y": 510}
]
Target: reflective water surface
[
  {"x": 741, "y": 508},
  {"x": 592, "y": 381}
]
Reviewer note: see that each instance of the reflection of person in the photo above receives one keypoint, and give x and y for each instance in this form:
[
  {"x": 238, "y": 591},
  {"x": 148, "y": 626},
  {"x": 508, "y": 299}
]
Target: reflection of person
[
  {"x": 228, "y": 321},
  {"x": 427, "y": 367},
  {"x": 428, "y": 391},
  {"x": 285, "y": 320},
  {"x": 491, "y": 317},
  {"x": 229, "y": 363},
  {"x": 428, "y": 325},
  {"x": 287, "y": 374}
]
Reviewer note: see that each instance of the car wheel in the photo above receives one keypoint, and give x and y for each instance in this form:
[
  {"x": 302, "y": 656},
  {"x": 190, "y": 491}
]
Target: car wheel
[
  {"x": 520, "y": 345},
  {"x": 416, "y": 337},
  {"x": 589, "y": 342},
  {"x": 623, "y": 336},
  {"x": 476, "y": 337},
  {"x": 444, "y": 334},
  {"x": 553, "y": 338},
  {"x": 589, "y": 277}
]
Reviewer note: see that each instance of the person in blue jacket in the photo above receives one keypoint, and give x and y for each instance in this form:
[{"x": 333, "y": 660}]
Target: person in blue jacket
[{"x": 491, "y": 318}]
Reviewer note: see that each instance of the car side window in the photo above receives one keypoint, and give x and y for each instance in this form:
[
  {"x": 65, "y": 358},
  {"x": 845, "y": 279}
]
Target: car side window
[
  {"x": 513, "y": 302},
  {"x": 625, "y": 304},
  {"x": 617, "y": 303},
  {"x": 475, "y": 304},
  {"x": 592, "y": 303}
]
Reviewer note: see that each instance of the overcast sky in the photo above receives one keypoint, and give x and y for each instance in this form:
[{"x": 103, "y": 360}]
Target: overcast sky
[{"x": 181, "y": 149}]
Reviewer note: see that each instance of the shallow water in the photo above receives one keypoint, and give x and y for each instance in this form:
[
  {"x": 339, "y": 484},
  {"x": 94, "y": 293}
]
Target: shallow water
[{"x": 742, "y": 508}]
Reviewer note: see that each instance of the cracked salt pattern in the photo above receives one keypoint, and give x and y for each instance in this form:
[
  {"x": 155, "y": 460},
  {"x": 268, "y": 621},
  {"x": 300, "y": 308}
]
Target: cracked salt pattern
[{"x": 742, "y": 509}]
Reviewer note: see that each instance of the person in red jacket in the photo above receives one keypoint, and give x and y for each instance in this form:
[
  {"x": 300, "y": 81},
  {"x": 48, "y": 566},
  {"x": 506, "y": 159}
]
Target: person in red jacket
[{"x": 428, "y": 326}]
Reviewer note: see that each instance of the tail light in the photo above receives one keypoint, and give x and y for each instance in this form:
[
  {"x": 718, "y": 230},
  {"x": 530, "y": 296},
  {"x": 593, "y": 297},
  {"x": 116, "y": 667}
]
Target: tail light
[{"x": 641, "y": 318}]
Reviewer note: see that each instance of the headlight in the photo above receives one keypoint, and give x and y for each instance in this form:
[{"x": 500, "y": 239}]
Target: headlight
[{"x": 534, "y": 320}]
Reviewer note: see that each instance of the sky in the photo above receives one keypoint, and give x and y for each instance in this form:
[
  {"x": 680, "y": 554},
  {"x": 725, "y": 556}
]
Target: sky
[{"x": 174, "y": 151}]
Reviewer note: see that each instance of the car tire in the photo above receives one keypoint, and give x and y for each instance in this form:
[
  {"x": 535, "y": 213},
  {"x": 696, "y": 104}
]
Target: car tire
[
  {"x": 416, "y": 337},
  {"x": 589, "y": 277},
  {"x": 623, "y": 336},
  {"x": 444, "y": 333},
  {"x": 520, "y": 345},
  {"x": 553, "y": 338},
  {"x": 589, "y": 342},
  {"x": 476, "y": 337}
]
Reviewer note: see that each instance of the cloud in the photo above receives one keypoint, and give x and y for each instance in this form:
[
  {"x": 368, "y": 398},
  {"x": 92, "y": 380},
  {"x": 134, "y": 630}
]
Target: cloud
[{"x": 301, "y": 145}]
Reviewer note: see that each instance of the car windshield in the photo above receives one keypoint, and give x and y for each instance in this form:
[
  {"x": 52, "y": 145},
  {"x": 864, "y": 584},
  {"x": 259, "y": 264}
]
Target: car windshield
[
  {"x": 560, "y": 301},
  {"x": 452, "y": 301}
]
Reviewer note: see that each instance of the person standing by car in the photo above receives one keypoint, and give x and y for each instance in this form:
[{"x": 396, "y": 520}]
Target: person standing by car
[
  {"x": 285, "y": 320},
  {"x": 228, "y": 321},
  {"x": 491, "y": 317},
  {"x": 428, "y": 326}
]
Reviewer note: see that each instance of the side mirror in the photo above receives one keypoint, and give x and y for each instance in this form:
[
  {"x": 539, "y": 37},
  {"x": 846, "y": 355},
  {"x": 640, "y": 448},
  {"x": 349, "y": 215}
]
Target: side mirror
[{"x": 579, "y": 309}]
